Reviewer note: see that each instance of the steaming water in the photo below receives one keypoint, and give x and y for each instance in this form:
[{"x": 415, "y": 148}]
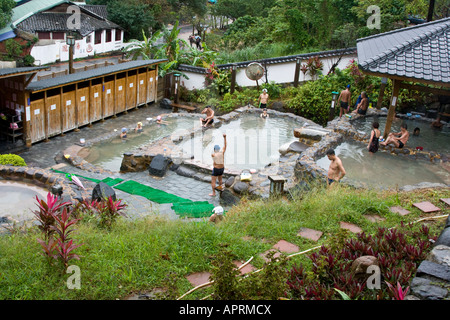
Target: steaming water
[
  {"x": 109, "y": 154},
  {"x": 384, "y": 169},
  {"x": 430, "y": 139},
  {"x": 18, "y": 199},
  {"x": 252, "y": 142}
]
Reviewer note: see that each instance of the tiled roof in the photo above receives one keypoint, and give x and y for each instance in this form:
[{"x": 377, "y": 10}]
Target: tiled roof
[
  {"x": 421, "y": 52},
  {"x": 57, "y": 21},
  {"x": 12, "y": 71},
  {"x": 284, "y": 59},
  {"x": 100, "y": 10},
  {"x": 90, "y": 74}
]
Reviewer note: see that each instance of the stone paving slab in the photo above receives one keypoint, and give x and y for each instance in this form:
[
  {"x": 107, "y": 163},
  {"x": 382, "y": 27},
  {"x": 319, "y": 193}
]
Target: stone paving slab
[
  {"x": 445, "y": 200},
  {"x": 247, "y": 269},
  {"x": 350, "y": 227},
  {"x": 198, "y": 278},
  {"x": 426, "y": 207},
  {"x": 374, "y": 218},
  {"x": 401, "y": 211},
  {"x": 310, "y": 234}
]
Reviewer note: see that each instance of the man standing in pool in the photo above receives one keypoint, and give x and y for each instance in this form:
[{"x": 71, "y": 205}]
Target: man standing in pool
[
  {"x": 263, "y": 99},
  {"x": 398, "y": 139},
  {"x": 218, "y": 165},
  {"x": 345, "y": 99},
  {"x": 336, "y": 170}
]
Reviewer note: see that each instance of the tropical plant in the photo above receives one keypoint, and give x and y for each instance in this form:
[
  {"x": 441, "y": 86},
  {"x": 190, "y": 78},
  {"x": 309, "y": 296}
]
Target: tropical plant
[
  {"x": 47, "y": 213},
  {"x": 397, "y": 292},
  {"x": 107, "y": 211}
]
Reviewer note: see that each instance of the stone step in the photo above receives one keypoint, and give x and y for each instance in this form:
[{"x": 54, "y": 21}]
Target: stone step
[
  {"x": 310, "y": 234},
  {"x": 426, "y": 207},
  {"x": 401, "y": 211}
]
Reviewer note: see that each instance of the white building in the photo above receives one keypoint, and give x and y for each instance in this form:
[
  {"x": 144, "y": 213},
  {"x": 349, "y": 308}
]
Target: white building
[{"x": 50, "y": 21}]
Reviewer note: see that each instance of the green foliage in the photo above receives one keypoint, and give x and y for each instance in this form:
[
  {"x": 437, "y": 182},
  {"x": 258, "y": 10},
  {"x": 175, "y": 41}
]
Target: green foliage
[
  {"x": 6, "y": 7},
  {"x": 12, "y": 160}
]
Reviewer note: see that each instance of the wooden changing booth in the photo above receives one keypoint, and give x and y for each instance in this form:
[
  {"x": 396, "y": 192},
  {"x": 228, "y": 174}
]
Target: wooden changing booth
[{"x": 66, "y": 103}]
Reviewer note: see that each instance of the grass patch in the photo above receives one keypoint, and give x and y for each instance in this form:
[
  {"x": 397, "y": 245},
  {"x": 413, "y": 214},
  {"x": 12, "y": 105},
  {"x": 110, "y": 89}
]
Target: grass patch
[{"x": 137, "y": 255}]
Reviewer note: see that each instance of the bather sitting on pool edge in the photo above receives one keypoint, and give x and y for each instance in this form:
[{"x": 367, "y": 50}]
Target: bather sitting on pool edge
[{"x": 398, "y": 139}]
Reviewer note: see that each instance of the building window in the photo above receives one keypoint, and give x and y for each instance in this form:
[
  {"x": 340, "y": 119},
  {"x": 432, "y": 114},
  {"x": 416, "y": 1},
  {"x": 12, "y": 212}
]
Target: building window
[
  {"x": 108, "y": 35},
  {"x": 43, "y": 35},
  {"x": 118, "y": 35},
  {"x": 98, "y": 37},
  {"x": 88, "y": 39},
  {"x": 58, "y": 35}
]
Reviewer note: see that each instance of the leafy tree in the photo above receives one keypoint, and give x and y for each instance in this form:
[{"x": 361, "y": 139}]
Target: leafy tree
[{"x": 6, "y": 8}]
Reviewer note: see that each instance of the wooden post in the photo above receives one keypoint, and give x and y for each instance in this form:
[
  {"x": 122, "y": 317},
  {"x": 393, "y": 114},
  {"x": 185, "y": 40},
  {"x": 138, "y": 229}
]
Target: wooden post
[
  {"x": 297, "y": 72},
  {"x": 391, "y": 112},
  {"x": 25, "y": 121},
  {"x": 76, "y": 108},
  {"x": 90, "y": 103},
  {"x": 115, "y": 96},
  {"x": 233, "y": 78},
  {"x": 63, "y": 113},
  {"x": 46, "y": 117},
  {"x": 103, "y": 99},
  {"x": 381, "y": 94}
]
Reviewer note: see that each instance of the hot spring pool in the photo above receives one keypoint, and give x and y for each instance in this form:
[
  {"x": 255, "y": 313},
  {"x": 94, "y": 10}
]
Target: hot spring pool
[
  {"x": 252, "y": 142},
  {"x": 109, "y": 154},
  {"x": 430, "y": 139},
  {"x": 17, "y": 199},
  {"x": 385, "y": 170}
]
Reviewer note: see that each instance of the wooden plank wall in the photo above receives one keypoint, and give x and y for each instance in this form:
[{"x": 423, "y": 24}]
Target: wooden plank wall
[{"x": 58, "y": 110}]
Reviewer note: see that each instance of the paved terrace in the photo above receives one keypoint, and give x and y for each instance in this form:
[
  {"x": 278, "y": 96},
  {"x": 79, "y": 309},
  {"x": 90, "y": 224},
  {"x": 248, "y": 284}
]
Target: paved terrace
[{"x": 44, "y": 154}]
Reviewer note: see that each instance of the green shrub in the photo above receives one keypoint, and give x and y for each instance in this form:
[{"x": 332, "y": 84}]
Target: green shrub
[{"x": 12, "y": 160}]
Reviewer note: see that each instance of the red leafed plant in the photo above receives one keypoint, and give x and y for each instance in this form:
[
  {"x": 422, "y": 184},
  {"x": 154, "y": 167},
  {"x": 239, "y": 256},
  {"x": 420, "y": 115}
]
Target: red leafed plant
[
  {"x": 58, "y": 226},
  {"x": 47, "y": 212},
  {"x": 106, "y": 210},
  {"x": 397, "y": 292},
  {"x": 398, "y": 251}
]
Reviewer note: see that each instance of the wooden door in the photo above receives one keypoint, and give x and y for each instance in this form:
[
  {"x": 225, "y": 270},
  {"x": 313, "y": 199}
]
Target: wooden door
[
  {"x": 120, "y": 95},
  {"x": 109, "y": 98},
  {"x": 95, "y": 113},
  {"x": 69, "y": 119},
  {"x": 131, "y": 92},
  {"x": 151, "y": 83},
  {"x": 53, "y": 115},
  {"x": 37, "y": 124},
  {"x": 142, "y": 89},
  {"x": 83, "y": 106}
]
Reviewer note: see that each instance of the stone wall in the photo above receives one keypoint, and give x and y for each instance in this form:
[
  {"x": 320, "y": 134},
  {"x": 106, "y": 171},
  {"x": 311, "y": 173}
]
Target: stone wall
[{"x": 47, "y": 179}]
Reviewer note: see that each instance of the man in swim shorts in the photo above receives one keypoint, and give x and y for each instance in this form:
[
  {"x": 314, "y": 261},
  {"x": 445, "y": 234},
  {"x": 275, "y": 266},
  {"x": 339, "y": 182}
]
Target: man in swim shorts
[
  {"x": 336, "y": 170},
  {"x": 398, "y": 139},
  {"x": 345, "y": 98},
  {"x": 263, "y": 99},
  {"x": 209, "y": 120},
  {"x": 218, "y": 165}
]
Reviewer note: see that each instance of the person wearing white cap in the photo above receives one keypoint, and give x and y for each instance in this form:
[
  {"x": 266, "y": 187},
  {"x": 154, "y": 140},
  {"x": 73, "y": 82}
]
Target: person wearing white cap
[
  {"x": 218, "y": 165},
  {"x": 263, "y": 99},
  {"x": 217, "y": 215}
]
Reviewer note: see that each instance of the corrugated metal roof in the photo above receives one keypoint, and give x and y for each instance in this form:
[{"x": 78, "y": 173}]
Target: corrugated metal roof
[
  {"x": 421, "y": 52},
  {"x": 90, "y": 74}
]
